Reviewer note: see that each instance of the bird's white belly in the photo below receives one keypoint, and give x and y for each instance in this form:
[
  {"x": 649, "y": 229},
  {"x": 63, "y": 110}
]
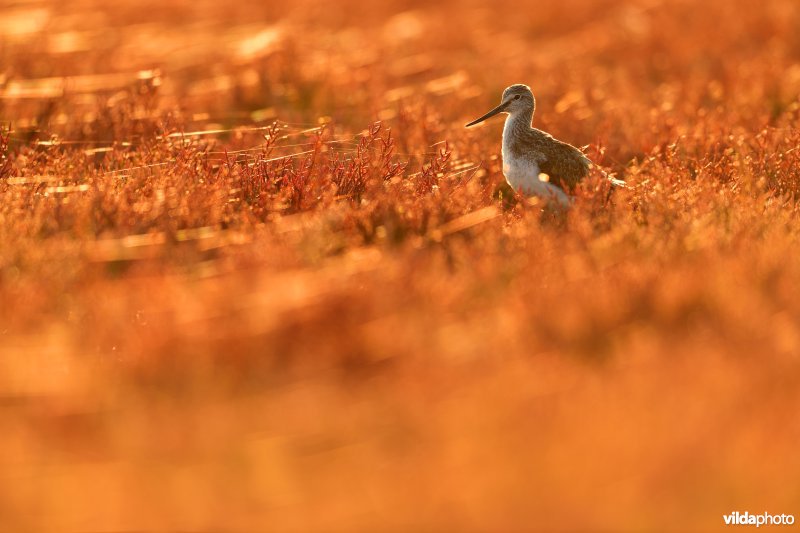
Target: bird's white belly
[{"x": 523, "y": 176}]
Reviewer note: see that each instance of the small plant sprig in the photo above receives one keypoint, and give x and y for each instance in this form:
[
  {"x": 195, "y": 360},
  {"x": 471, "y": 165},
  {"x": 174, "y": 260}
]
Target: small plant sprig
[
  {"x": 428, "y": 179},
  {"x": 390, "y": 169},
  {"x": 5, "y": 161},
  {"x": 352, "y": 176}
]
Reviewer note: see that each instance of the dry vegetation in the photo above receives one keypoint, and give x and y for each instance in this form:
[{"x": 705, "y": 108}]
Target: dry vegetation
[{"x": 255, "y": 275}]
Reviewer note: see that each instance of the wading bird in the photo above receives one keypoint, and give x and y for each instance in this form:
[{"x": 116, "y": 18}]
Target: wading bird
[{"x": 534, "y": 162}]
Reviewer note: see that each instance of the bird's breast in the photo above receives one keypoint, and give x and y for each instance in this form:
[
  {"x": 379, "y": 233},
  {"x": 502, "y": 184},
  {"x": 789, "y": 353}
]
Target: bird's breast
[{"x": 521, "y": 173}]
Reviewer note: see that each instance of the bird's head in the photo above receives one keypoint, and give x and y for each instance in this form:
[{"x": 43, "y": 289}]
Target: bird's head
[{"x": 516, "y": 99}]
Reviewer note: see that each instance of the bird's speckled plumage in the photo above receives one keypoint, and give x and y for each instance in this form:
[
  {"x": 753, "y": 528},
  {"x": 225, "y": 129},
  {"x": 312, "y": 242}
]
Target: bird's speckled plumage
[{"x": 529, "y": 152}]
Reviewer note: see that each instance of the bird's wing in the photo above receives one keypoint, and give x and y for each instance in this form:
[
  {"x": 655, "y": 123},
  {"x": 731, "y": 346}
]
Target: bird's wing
[{"x": 565, "y": 165}]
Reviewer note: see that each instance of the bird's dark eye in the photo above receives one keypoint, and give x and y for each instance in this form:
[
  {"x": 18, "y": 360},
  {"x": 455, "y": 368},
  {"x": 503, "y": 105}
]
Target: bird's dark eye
[{"x": 518, "y": 97}]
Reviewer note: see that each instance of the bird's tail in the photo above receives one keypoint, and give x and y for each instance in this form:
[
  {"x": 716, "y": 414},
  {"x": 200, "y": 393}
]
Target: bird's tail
[{"x": 614, "y": 181}]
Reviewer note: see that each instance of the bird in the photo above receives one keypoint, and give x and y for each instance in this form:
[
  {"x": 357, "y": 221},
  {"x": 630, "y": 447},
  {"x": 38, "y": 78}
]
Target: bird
[{"x": 534, "y": 162}]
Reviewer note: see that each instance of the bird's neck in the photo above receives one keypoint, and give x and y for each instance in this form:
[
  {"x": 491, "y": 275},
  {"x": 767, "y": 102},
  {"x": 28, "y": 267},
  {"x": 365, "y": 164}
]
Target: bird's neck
[
  {"x": 520, "y": 119},
  {"x": 516, "y": 124}
]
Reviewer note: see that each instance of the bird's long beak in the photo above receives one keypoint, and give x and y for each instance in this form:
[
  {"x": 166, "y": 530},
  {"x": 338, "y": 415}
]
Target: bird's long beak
[{"x": 490, "y": 114}]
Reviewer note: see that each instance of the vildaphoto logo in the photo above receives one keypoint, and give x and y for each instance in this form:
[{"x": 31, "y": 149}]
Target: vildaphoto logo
[{"x": 746, "y": 519}]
